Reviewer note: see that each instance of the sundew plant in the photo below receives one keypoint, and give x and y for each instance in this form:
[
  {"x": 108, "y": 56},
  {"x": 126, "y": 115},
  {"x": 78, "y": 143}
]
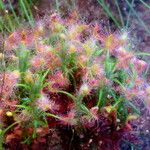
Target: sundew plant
[{"x": 66, "y": 75}]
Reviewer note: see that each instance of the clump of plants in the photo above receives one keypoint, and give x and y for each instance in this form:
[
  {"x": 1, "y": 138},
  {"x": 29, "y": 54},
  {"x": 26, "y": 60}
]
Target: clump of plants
[{"x": 70, "y": 82}]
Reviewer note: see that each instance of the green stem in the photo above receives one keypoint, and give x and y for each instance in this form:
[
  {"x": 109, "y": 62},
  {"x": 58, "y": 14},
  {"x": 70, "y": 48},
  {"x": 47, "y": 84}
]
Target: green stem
[
  {"x": 120, "y": 14},
  {"x": 106, "y": 8},
  {"x": 9, "y": 127},
  {"x": 99, "y": 98},
  {"x": 145, "y": 4},
  {"x": 140, "y": 20},
  {"x": 52, "y": 115},
  {"x": 12, "y": 9}
]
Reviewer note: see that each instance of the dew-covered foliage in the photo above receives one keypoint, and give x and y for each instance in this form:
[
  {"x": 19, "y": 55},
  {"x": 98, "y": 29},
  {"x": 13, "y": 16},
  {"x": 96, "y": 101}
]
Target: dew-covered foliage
[{"x": 70, "y": 82}]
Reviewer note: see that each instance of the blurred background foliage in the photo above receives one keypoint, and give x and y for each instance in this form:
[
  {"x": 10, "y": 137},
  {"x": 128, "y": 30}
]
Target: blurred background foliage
[{"x": 119, "y": 12}]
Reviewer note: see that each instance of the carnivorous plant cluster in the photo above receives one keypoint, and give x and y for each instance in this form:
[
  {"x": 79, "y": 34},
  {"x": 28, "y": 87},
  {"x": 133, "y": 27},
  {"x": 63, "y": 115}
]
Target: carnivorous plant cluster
[{"x": 68, "y": 75}]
